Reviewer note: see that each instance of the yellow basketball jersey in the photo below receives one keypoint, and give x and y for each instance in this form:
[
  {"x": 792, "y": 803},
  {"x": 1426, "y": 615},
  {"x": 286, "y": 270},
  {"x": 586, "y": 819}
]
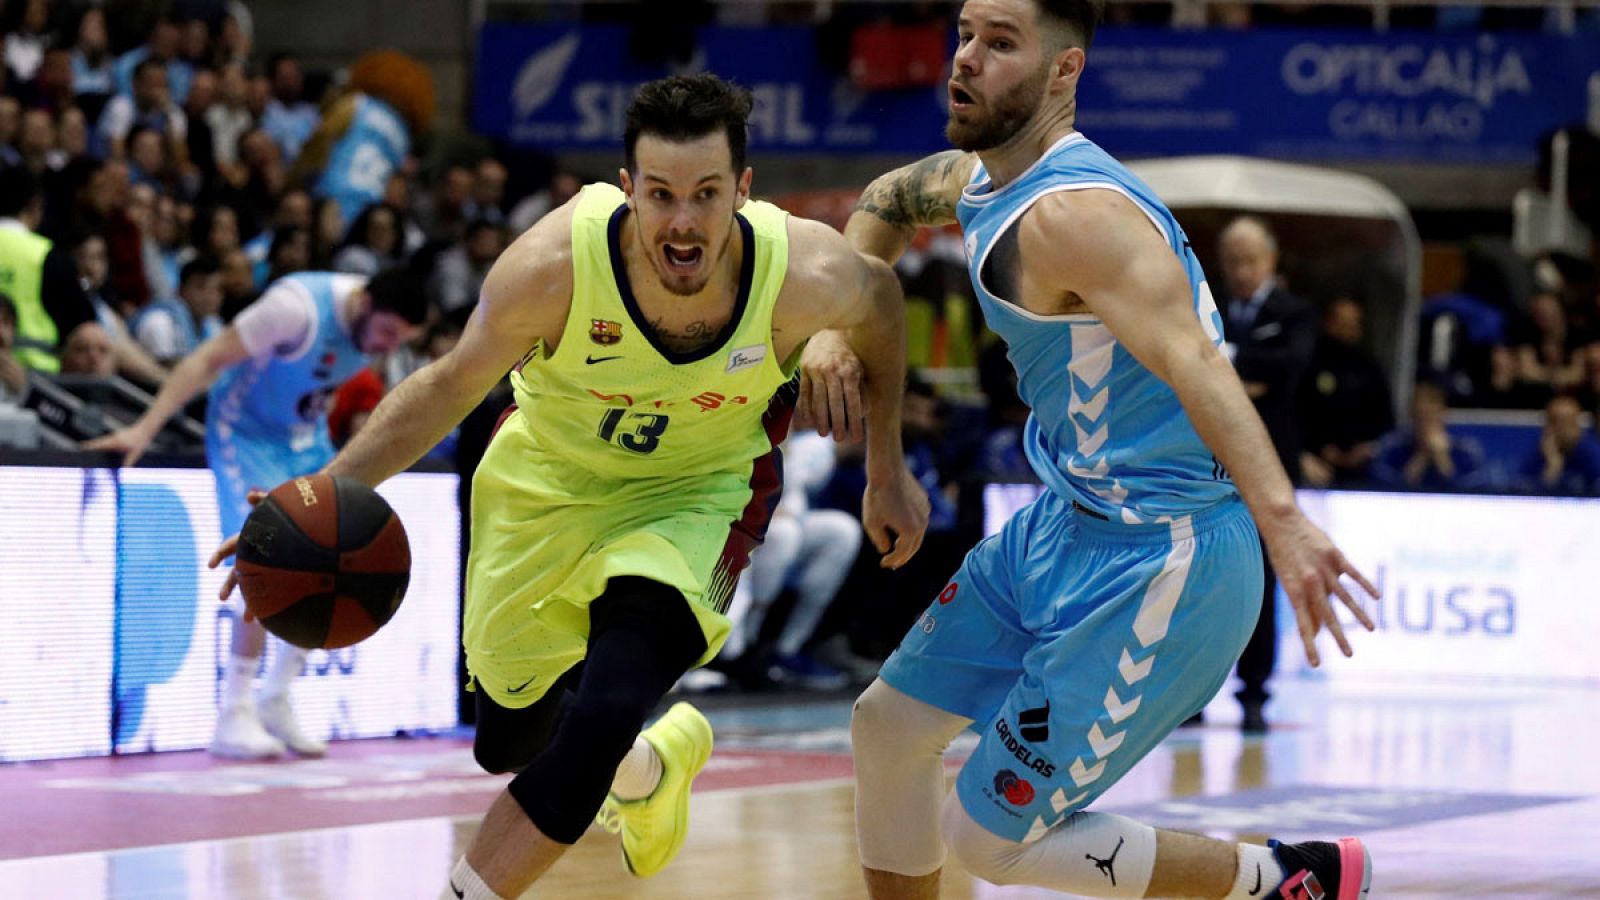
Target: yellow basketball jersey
[{"x": 613, "y": 401}]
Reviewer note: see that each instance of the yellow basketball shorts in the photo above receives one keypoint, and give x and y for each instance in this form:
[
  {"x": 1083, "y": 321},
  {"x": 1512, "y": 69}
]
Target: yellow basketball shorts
[{"x": 548, "y": 536}]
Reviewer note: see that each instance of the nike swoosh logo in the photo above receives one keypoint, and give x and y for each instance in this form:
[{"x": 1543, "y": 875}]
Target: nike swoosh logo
[
  {"x": 1257, "y": 889},
  {"x": 591, "y": 360},
  {"x": 518, "y": 688},
  {"x": 455, "y": 890}
]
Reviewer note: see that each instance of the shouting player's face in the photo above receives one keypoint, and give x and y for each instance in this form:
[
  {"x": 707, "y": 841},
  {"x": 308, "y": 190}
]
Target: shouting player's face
[
  {"x": 1000, "y": 71},
  {"x": 684, "y": 194}
]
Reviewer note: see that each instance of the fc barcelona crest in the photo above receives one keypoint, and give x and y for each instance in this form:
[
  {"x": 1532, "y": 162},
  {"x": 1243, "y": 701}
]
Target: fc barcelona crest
[{"x": 603, "y": 332}]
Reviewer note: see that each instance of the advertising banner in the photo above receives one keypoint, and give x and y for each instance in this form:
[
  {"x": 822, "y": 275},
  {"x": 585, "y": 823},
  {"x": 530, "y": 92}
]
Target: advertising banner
[
  {"x": 1331, "y": 95},
  {"x": 112, "y": 638},
  {"x": 1474, "y": 587}
]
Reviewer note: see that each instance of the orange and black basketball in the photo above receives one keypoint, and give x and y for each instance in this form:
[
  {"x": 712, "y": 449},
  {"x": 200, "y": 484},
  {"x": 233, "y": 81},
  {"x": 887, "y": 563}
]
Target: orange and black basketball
[{"x": 323, "y": 562}]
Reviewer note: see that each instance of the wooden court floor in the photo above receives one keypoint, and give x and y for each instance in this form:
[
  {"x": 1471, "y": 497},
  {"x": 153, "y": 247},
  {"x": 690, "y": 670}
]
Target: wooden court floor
[{"x": 1463, "y": 792}]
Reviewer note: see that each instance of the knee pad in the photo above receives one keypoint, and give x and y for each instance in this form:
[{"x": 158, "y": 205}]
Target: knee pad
[
  {"x": 1090, "y": 854},
  {"x": 899, "y": 744}
]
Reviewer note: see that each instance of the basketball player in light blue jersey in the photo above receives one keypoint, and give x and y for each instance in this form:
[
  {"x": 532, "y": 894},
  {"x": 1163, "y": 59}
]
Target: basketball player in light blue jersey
[
  {"x": 271, "y": 373},
  {"x": 1113, "y": 607}
]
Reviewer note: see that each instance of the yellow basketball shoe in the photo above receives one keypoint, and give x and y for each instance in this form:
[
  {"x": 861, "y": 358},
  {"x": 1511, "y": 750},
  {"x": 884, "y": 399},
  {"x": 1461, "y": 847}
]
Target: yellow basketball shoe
[{"x": 653, "y": 828}]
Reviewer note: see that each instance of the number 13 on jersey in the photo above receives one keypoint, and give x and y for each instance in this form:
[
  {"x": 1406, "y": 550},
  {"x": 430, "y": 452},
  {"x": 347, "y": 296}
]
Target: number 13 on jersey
[{"x": 643, "y": 435}]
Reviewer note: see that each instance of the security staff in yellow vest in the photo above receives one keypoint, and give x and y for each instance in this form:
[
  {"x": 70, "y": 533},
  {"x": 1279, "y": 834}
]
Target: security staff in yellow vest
[{"x": 41, "y": 281}]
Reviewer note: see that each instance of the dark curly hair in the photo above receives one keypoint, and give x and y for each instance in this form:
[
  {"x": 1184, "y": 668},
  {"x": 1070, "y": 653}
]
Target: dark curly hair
[{"x": 685, "y": 107}]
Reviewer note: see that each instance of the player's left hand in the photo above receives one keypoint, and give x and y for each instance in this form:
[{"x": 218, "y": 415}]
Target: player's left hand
[
  {"x": 227, "y": 549},
  {"x": 830, "y": 388},
  {"x": 1309, "y": 567},
  {"x": 895, "y": 513}
]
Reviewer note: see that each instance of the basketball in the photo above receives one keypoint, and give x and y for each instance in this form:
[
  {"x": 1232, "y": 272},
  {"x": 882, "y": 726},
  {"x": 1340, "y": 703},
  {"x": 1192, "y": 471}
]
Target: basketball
[{"x": 323, "y": 562}]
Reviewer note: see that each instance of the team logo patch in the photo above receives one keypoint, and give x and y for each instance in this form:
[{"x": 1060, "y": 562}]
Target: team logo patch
[
  {"x": 949, "y": 593},
  {"x": 745, "y": 357},
  {"x": 1016, "y": 791},
  {"x": 604, "y": 332}
]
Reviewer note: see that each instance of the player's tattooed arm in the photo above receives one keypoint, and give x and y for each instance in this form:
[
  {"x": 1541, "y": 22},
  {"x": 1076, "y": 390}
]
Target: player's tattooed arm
[{"x": 897, "y": 203}]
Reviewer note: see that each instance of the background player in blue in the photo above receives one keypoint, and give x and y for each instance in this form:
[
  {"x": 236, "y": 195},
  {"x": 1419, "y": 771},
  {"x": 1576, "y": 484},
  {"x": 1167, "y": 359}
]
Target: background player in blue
[
  {"x": 271, "y": 373},
  {"x": 1113, "y": 607}
]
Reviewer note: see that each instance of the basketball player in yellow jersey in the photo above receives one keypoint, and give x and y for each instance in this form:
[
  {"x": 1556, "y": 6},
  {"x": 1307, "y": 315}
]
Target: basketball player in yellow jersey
[{"x": 657, "y": 327}]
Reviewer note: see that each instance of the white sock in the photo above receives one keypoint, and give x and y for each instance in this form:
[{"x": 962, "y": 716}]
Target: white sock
[
  {"x": 285, "y": 668},
  {"x": 1259, "y": 873},
  {"x": 1089, "y": 854},
  {"x": 639, "y": 773},
  {"x": 468, "y": 885},
  {"x": 237, "y": 681}
]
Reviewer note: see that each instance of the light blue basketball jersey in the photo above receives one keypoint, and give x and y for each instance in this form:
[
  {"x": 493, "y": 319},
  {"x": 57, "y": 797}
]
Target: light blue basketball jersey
[
  {"x": 359, "y": 166},
  {"x": 1105, "y": 432},
  {"x": 282, "y": 401}
]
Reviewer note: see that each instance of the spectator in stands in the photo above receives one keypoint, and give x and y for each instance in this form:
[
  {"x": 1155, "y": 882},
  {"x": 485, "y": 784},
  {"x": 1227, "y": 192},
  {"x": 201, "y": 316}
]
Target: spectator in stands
[
  {"x": 42, "y": 279},
  {"x": 1344, "y": 405},
  {"x": 93, "y": 270},
  {"x": 172, "y": 329},
  {"x": 1505, "y": 388},
  {"x": 1426, "y": 456},
  {"x": 26, "y": 24},
  {"x": 563, "y": 186},
  {"x": 1272, "y": 333},
  {"x": 36, "y": 143},
  {"x": 1567, "y": 461},
  {"x": 444, "y": 212},
  {"x": 488, "y": 193},
  {"x": 13, "y": 374},
  {"x": 150, "y": 105},
  {"x": 373, "y": 243},
  {"x": 1546, "y": 348},
  {"x": 288, "y": 118},
  {"x": 161, "y": 49},
  {"x": 291, "y": 253},
  {"x": 238, "y": 277},
  {"x": 93, "y": 78},
  {"x": 89, "y": 351},
  {"x": 51, "y": 89},
  {"x": 229, "y": 117},
  {"x": 810, "y": 549},
  {"x": 72, "y": 134},
  {"x": 459, "y": 271}
]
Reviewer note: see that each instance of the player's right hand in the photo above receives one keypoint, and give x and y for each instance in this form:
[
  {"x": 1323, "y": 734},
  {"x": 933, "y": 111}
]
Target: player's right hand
[
  {"x": 830, "y": 389},
  {"x": 227, "y": 549},
  {"x": 894, "y": 510},
  {"x": 1309, "y": 567},
  {"x": 131, "y": 442}
]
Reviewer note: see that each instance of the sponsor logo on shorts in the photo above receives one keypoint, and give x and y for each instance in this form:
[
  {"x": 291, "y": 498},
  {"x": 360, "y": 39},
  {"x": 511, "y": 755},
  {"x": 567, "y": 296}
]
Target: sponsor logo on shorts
[
  {"x": 308, "y": 495},
  {"x": 1023, "y": 752},
  {"x": 1013, "y": 788},
  {"x": 948, "y": 594}
]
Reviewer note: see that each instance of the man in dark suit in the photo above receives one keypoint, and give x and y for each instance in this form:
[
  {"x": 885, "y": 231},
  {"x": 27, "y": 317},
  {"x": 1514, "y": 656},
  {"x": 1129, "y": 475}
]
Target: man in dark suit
[{"x": 1270, "y": 334}]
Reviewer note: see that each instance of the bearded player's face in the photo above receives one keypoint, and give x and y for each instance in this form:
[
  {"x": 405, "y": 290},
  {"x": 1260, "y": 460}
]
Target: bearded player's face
[
  {"x": 684, "y": 194},
  {"x": 999, "y": 73}
]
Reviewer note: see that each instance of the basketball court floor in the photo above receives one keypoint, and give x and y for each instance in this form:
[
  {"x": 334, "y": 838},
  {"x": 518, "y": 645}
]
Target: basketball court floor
[{"x": 1463, "y": 792}]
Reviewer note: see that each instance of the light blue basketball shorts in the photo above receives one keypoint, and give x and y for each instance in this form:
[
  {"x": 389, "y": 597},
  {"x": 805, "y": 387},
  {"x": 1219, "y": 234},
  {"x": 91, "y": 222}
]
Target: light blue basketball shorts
[
  {"x": 243, "y": 464},
  {"x": 1075, "y": 645}
]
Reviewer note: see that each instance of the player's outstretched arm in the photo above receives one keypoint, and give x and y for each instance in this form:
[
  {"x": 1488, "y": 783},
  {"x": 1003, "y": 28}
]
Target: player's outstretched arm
[
  {"x": 524, "y": 301},
  {"x": 1098, "y": 245},
  {"x": 830, "y": 286},
  {"x": 193, "y": 374},
  {"x": 887, "y": 216},
  {"x": 897, "y": 203}
]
